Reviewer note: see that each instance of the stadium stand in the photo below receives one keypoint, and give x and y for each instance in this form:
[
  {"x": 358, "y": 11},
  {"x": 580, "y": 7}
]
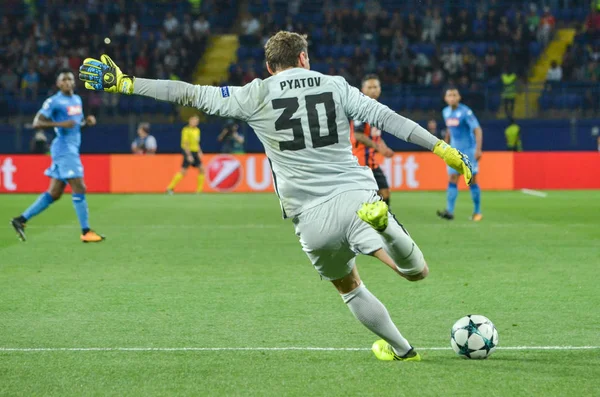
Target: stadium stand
[
  {"x": 417, "y": 47},
  {"x": 160, "y": 39}
]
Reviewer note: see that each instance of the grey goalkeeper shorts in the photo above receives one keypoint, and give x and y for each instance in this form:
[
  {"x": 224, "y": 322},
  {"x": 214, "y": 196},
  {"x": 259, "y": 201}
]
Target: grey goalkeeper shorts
[{"x": 332, "y": 234}]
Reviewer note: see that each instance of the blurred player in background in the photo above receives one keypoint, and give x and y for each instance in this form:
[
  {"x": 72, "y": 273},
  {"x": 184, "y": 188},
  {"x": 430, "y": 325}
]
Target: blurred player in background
[
  {"x": 367, "y": 142},
  {"x": 63, "y": 111},
  {"x": 144, "y": 143},
  {"x": 465, "y": 134},
  {"x": 302, "y": 119},
  {"x": 432, "y": 127},
  {"x": 192, "y": 154}
]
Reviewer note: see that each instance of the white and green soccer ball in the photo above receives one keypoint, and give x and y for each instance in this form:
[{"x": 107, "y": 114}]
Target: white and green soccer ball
[{"x": 474, "y": 336}]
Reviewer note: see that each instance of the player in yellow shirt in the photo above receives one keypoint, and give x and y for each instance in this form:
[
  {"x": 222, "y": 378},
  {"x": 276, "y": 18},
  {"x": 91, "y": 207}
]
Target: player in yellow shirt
[{"x": 192, "y": 154}]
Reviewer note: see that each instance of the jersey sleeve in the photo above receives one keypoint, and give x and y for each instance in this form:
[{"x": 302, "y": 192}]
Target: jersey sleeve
[
  {"x": 47, "y": 108},
  {"x": 471, "y": 120},
  {"x": 360, "y": 107},
  {"x": 228, "y": 101}
]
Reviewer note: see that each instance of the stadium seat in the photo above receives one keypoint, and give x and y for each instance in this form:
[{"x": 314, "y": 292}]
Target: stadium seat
[
  {"x": 322, "y": 51},
  {"x": 165, "y": 107},
  {"x": 258, "y": 53},
  {"x": 410, "y": 102},
  {"x": 535, "y": 48},
  {"x": 494, "y": 102},
  {"x": 424, "y": 103},
  {"x": 125, "y": 104},
  {"x": 573, "y": 101},
  {"x": 479, "y": 49},
  {"x": 242, "y": 53},
  {"x": 348, "y": 51},
  {"x": 545, "y": 102},
  {"x": 28, "y": 106},
  {"x": 559, "y": 102},
  {"x": 336, "y": 51},
  {"x": 149, "y": 105},
  {"x": 320, "y": 67}
]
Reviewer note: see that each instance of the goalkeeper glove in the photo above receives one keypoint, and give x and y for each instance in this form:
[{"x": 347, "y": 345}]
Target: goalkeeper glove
[
  {"x": 105, "y": 75},
  {"x": 455, "y": 159}
]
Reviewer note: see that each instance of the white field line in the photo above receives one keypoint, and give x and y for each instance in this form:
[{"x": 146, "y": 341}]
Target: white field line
[
  {"x": 491, "y": 224},
  {"x": 289, "y": 348},
  {"x": 535, "y": 193},
  {"x": 168, "y": 226}
]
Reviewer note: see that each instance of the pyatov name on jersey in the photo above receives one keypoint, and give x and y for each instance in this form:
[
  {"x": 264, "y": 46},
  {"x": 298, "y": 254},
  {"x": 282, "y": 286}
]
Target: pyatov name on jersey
[{"x": 300, "y": 83}]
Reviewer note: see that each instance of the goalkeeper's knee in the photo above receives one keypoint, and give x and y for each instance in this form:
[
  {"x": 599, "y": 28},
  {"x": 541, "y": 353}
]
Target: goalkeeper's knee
[{"x": 419, "y": 276}]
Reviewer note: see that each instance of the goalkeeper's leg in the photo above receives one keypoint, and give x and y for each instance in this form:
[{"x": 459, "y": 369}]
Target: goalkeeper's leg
[
  {"x": 373, "y": 314},
  {"x": 400, "y": 252}
]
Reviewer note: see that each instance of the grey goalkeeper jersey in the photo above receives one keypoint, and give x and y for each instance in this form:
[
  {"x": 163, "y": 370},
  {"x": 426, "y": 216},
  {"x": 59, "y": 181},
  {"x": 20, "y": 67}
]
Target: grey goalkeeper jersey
[{"x": 302, "y": 119}]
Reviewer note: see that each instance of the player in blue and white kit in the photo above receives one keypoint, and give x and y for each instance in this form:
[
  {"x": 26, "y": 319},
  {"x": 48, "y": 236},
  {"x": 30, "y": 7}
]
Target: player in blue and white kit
[
  {"x": 465, "y": 134},
  {"x": 63, "y": 111}
]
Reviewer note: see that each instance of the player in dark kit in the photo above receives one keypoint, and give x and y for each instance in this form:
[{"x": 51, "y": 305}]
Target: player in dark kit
[{"x": 367, "y": 144}]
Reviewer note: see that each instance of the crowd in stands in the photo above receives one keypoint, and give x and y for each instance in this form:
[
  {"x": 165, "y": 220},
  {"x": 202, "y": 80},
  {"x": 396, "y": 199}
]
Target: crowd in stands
[
  {"x": 415, "y": 46},
  {"x": 419, "y": 43},
  {"x": 574, "y": 81},
  {"x": 154, "y": 39},
  {"x": 581, "y": 61}
]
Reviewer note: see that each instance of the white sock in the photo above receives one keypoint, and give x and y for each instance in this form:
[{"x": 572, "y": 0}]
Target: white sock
[
  {"x": 402, "y": 249},
  {"x": 373, "y": 315}
]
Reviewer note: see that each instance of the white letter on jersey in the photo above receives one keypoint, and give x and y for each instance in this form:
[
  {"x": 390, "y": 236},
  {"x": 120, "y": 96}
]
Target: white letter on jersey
[
  {"x": 411, "y": 167},
  {"x": 8, "y": 169},
  {"x": 251, "y": 174}
]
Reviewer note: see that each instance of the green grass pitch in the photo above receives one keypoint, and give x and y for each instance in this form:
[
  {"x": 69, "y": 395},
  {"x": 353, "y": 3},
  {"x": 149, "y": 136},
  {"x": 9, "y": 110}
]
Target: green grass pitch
[{"x": 225, "y": 271}]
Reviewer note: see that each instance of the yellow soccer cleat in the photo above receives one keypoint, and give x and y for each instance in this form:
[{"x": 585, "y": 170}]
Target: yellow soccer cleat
[
  {"x": 92, "y": 237},
  {"x": 375, "y": 214},
  {"x": 384, "y": 352},
  {"x": 477, "y": 217}
]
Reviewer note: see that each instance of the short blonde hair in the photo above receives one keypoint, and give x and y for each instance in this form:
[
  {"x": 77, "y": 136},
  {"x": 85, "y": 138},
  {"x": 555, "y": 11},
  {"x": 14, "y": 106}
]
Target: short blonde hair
[{"x": 283, "y": 49}]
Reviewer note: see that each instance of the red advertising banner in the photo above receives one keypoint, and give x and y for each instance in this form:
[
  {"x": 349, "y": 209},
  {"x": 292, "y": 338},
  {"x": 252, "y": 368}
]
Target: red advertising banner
[
  {"x": 224, "y": 173},
  {"x": 251, "y": 173},
  {"x": 426, "y": 171},
  {"x": 25, "y": 173},
  {"x": 558, "y": 170}
]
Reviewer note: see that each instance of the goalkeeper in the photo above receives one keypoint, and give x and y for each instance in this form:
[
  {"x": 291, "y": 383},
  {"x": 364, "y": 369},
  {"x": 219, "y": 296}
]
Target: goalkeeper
[{"x": 302, "y": 119}]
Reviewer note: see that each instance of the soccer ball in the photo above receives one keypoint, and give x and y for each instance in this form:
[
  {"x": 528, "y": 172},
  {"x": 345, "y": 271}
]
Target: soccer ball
[{"x": 474, "y": 336}]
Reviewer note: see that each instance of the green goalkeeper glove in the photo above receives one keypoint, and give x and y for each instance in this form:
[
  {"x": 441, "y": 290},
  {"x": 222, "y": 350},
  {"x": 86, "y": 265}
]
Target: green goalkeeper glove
[
  {"x": 455, "y": 159},
  {"x": 105, "y": 75}
]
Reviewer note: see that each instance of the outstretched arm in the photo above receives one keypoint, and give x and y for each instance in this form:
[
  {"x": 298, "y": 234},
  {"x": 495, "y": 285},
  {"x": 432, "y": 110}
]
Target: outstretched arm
[
  {"x": 234, "y": 102},
  {"x": 221, "y": 101},
  {"x": 360, "y": 107}
]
